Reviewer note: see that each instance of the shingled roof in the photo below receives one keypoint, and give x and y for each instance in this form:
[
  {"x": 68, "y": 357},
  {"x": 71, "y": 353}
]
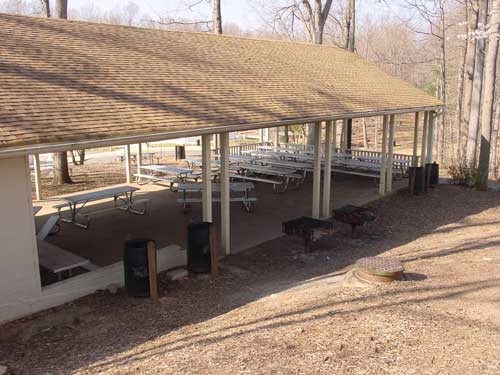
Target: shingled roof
[{"x": 67, "y": 82}]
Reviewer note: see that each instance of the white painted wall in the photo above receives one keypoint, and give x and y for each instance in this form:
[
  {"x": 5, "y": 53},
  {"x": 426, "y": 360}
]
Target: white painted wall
[{"x": 19, "y": 272}]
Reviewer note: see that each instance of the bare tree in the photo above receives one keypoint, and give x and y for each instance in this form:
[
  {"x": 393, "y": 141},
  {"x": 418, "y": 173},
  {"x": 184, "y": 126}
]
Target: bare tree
[
  {"x": 494, "y": 139},
  {"x": 61, "y": 10},
  {"x": 490, "y": 70},
  {"x": 471, "y": 17},
  {"x": 216, "y": 17},
  {"x": 61, "y": 168},
  {"x": 46, "y": 7},
  {"x": 350, "y": 24},
  {"x": 471, "y": 151}
]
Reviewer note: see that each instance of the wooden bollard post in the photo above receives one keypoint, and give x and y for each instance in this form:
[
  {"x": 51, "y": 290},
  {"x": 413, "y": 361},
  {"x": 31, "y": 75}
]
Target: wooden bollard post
[
  {"x": 213, "y": 250},
  {"x": 153, "y": 283}
]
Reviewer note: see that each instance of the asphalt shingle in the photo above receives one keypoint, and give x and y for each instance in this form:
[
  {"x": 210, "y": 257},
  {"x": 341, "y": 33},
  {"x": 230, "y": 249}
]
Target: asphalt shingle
[{"x": 63, "y": 81}]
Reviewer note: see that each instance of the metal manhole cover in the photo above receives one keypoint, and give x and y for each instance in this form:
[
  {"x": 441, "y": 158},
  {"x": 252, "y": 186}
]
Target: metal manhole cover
[{"x": 383, "y": 269}]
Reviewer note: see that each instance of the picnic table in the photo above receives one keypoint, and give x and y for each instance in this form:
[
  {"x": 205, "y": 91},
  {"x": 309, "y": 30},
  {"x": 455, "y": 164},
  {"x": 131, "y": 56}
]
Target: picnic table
[
  {"x": 295, "y": 165},
  {"x": 286, "y": 174},
  {"x": 36, "y": 209},
  {"x": 156, "y": 173},
  {"x": 279, "y": 149},
  {"x": 122, "y": 200},
  {"x": 239, "y": 192}
]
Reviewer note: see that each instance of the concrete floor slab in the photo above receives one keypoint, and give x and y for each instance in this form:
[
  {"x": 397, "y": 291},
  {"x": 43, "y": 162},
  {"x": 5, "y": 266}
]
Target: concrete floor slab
[{"x": 166, "y": 223}]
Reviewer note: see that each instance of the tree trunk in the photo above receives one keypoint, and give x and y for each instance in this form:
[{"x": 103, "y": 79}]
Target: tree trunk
[
  {"x": 217, "y": 17},
  {"x": 365, "y": 134},
  {"x": 46, "y": 7},
  {"x": 472, "y": 18},
  {"x": 350, "y": 25},
  {"x": 81, "y": 157},
  {"x": 61, "y": 169},
  {"x": 62, "y": 9},
  {"x": 490, "y": 70},
  {"x": 443, "y": 93},
  {"x": 471, "y": 152},
  {"x": 494, "y": 139}
]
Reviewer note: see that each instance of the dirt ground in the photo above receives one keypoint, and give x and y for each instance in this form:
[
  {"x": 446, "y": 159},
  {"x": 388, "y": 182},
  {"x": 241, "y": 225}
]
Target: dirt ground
[{"x": 275, "y": 309}]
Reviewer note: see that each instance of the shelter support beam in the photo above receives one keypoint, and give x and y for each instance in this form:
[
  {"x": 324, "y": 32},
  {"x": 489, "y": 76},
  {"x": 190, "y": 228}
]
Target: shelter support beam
[
  {"x": 277, "y": 136},
  {"x": 423, "y": 152},
  {"x": 383, "y": 166},
  {"x": 414, "y": 158},
  {"x": 224, "y": 195},
  {"x": 206, "y": 192},
  {"x": 287, "y": 128},
  {"x": 327, "y": 178},
  {"x": 430, "y": 136},
  {"x": 334, "y": 136},
  {"x": 317, "y": 171},
  {"x": 390, "y": 156},
  {"x": 38, "y": 177},
  {"x": 139, "y": 157},
  {"x": 128, "y": 164}
]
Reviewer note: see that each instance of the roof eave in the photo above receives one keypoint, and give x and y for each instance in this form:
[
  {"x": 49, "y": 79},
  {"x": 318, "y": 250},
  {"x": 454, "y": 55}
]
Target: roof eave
[{"x": 12, "y": 152}]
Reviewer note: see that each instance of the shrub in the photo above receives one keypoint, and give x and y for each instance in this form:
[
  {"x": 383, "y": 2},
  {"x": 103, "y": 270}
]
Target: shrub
[{"x": 463, "y": 174}]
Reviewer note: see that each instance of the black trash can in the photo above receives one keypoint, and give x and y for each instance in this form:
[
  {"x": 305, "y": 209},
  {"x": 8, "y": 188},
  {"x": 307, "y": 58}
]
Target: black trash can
[
  {"x": 434, "y": 174},
  {"x": 135, "y": 262},
  {"x": 416, "y": 180},
  {"x": 180, "y": 152},
  {"x": 198, "y": 247}
]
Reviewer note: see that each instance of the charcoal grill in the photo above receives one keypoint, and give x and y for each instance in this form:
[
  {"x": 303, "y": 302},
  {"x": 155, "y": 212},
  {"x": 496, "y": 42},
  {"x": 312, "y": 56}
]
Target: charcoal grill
[
  {"x": 307, "y": 228},
  {"x": 355, "y": 216}
]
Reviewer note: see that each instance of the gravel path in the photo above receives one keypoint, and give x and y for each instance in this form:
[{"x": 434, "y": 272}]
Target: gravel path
[{"x": 274, "y": 309}]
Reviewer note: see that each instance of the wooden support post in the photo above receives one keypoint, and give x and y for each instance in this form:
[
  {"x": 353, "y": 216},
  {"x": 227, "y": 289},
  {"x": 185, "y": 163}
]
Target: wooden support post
[
  {"x": 286, "y": 134},
  {"x": 139, "y": 157},
  {"x": 327, "y": 177},
  {"x": 317, "y": 171},
  {"x": 423, "y": 152},
  {"x": 213, "y": 250},
  {"x": 152, "y": 271},
  {"x": 224, "y": 194},
  {"x": 392, "y": 129},
  {"x": 277, "y": 136},
  {"x": 334, "y": 136},
  {"x": 206, "y": 192},
  {"x": 430, "y": 136},
  {"x": 349, "y": 134},
  {"x": 128, "y": 164},
  {"x": 414, "y": 158},
  {"x": 38, "y": 177},
  {"x": 261, "y": 135},
  {"x": 383, "y": 166}
]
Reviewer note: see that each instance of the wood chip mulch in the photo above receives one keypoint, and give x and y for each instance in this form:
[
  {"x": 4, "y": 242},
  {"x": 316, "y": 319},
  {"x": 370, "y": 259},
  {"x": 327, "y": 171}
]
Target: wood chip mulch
[{"x": 275, "y": 309}]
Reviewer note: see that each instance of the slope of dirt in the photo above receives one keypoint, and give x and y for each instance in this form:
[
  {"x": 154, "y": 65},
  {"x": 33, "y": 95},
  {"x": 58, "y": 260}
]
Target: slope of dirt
[{"x": 275, "y": 309}]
